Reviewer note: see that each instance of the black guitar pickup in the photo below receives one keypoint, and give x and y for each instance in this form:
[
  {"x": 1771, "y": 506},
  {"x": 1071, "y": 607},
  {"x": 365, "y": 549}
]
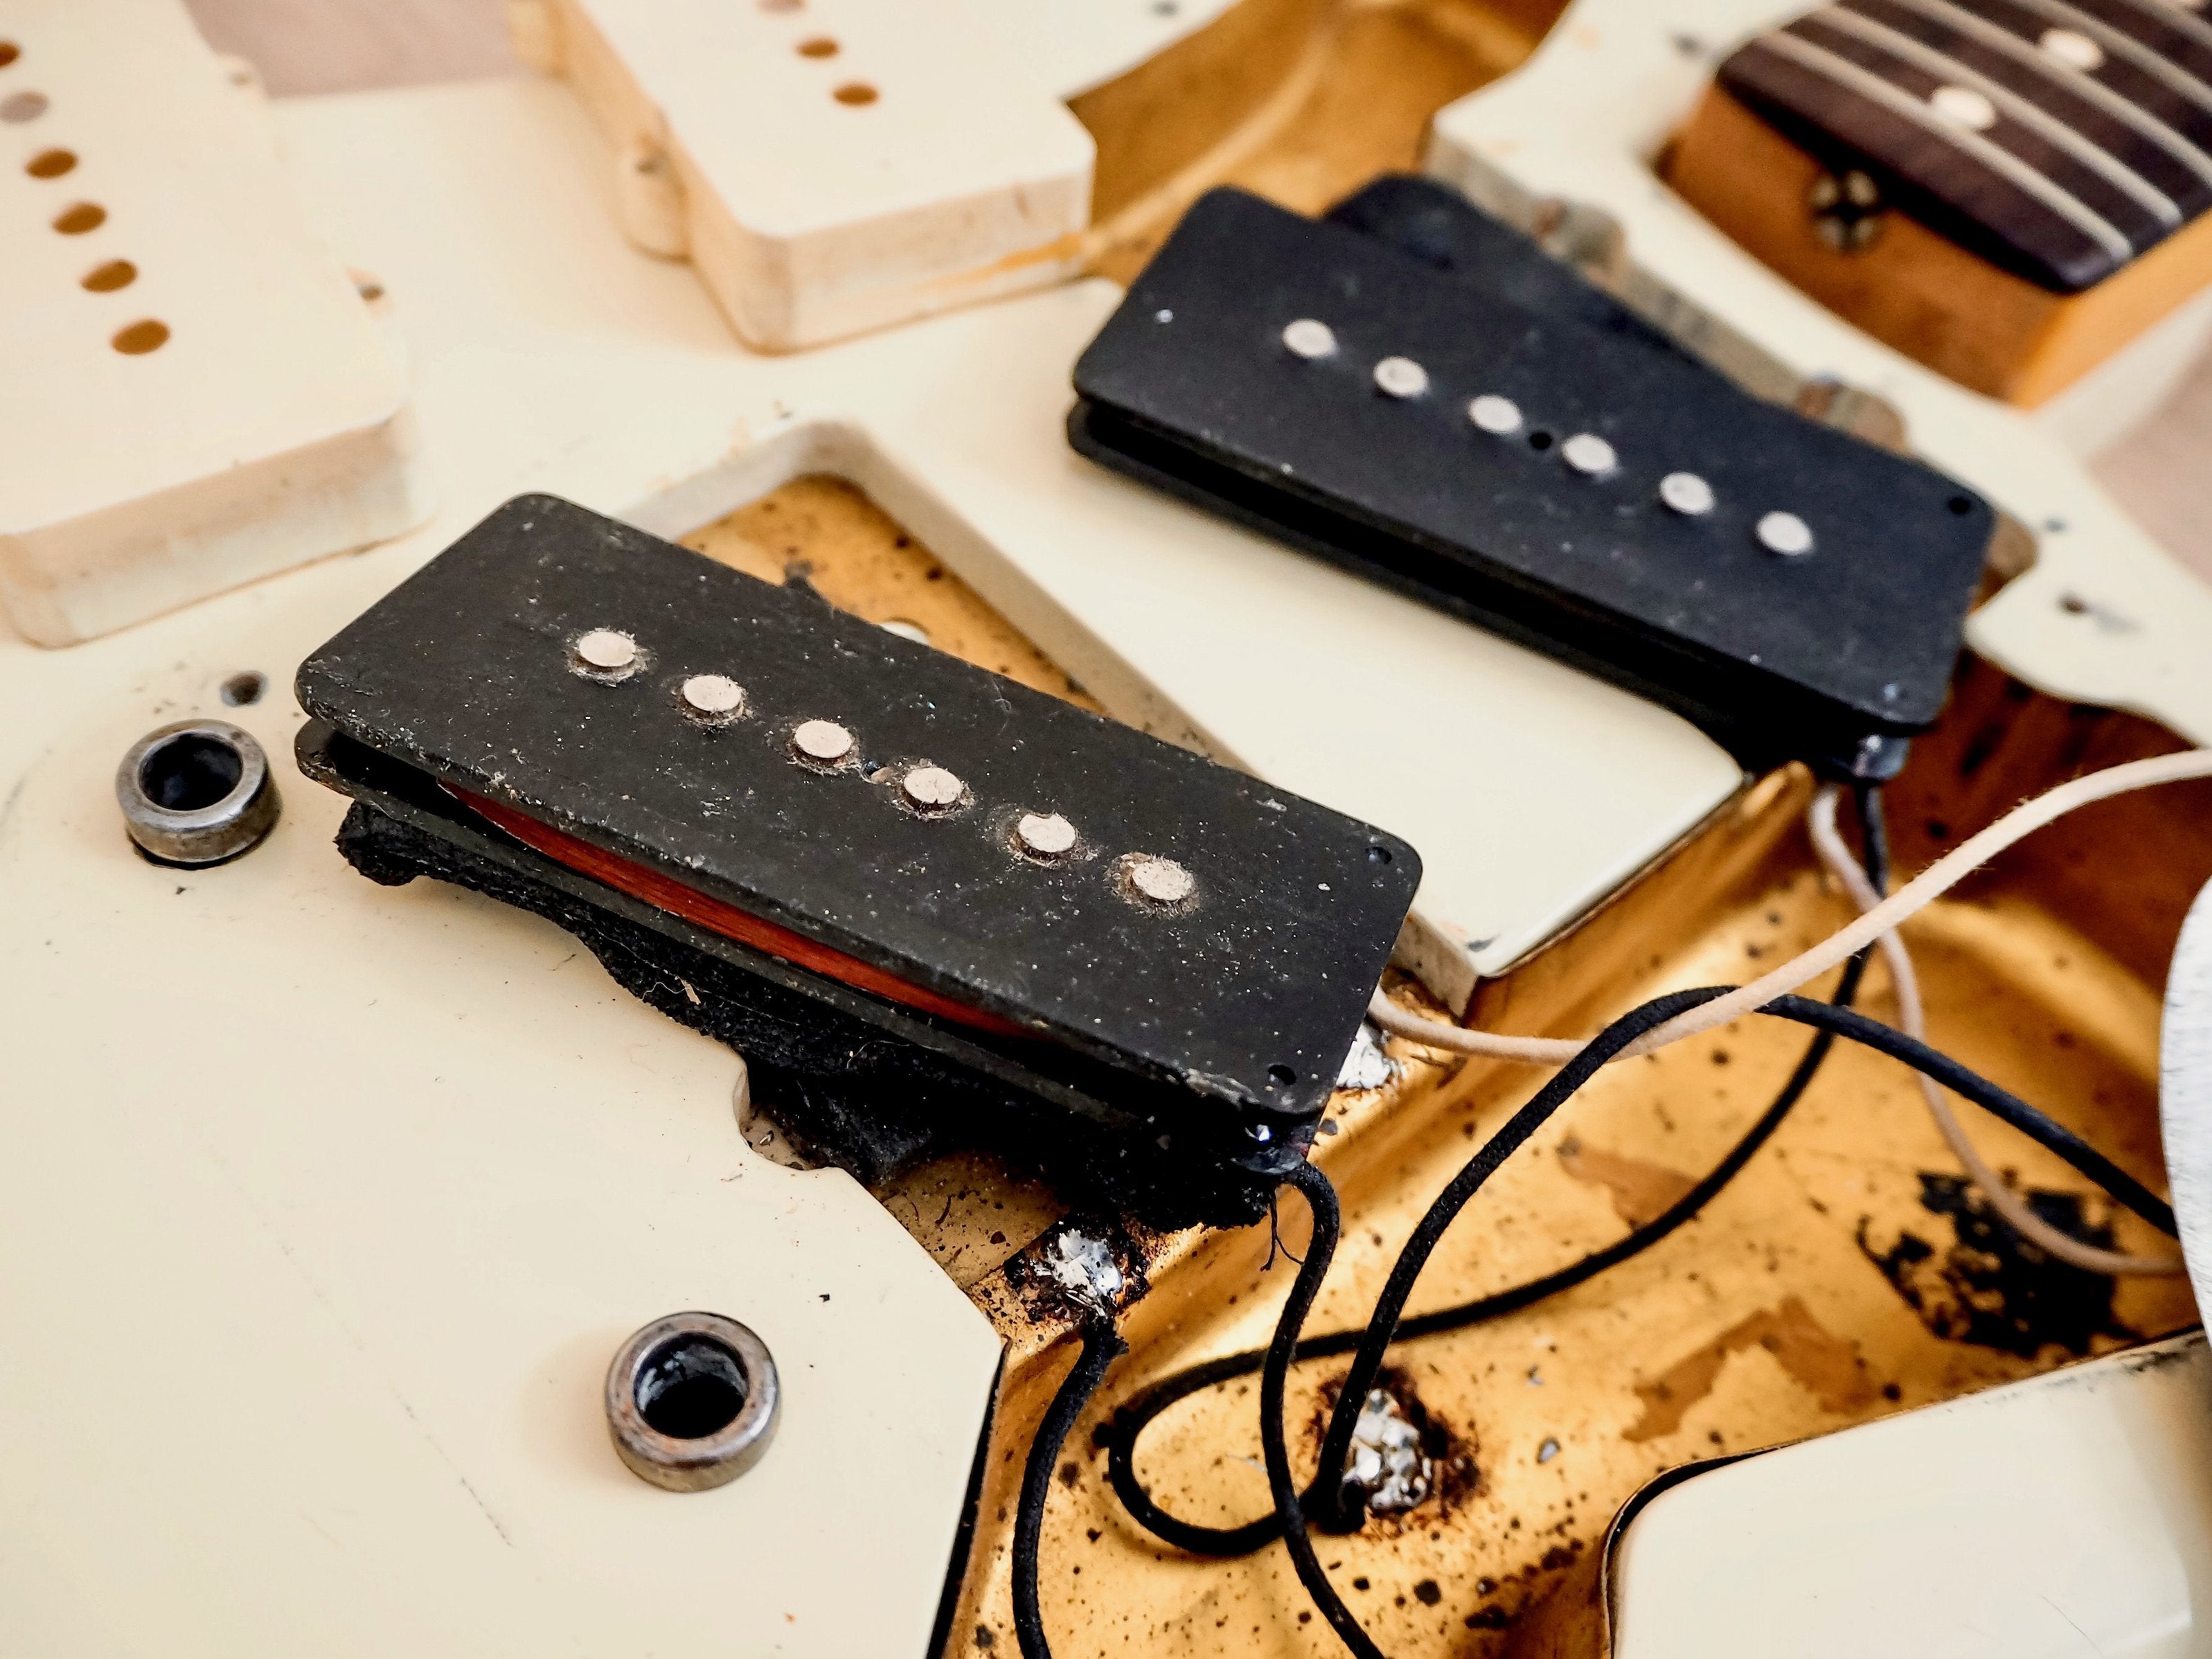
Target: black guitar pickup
[
  {"x": 1795, "y": 590},
  {"x": 913, "y": 893}
]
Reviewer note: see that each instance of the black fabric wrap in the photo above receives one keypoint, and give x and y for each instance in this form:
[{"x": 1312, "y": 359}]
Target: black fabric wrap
[{"x": 843, "y": 1092}]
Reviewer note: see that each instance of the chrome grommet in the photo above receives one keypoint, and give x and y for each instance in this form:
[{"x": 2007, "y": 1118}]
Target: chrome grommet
[
  {"x": 196, "y": 793},
  {"x": 692, "y": 1401}
]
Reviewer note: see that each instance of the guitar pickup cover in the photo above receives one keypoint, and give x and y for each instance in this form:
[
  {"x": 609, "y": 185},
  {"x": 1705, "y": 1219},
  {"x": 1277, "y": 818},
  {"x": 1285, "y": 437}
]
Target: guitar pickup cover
[
  {"x": 1795, "y": 590},
  {"x": 921, "y": 899}
]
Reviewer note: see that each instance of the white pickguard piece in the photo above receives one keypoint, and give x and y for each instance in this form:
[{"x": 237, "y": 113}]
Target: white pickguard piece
[
  {"x": 2185, "y": 1097},
  {"x": 324, "y": 1210},
  {"x": 229, "y": 408},
  {"x": 2106, "y": 616},
  {"x": 835, "y": 166},
  {"x": 2065, "y": 1515},
  {"x": 829, "y": 166}
]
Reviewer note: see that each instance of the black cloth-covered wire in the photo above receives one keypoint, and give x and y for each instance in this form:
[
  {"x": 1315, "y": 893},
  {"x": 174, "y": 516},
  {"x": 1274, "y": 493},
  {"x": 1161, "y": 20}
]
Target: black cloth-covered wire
[
  {"x": 1102, "y": 1346},
  {"x": 1383, "y": 1328},
  {"x": 2000, "y": 1103},
  {"x": 1132, "y": 1420},
  {"x": 1134, "y": 1417},
  {"x": 1274, "y": 1375},
  {"x": 1383, "y": 1325}
]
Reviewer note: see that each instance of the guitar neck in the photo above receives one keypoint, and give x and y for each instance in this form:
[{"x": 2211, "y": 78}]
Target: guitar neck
[{"x": 2059, "y": 139}]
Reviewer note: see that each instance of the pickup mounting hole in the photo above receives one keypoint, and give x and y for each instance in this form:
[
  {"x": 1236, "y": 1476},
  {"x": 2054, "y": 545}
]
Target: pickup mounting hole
[
  {"x": 192, "y": 771},
  {"x": 1281, "y": 1076},
  {"x": 691, "y": 1388}
]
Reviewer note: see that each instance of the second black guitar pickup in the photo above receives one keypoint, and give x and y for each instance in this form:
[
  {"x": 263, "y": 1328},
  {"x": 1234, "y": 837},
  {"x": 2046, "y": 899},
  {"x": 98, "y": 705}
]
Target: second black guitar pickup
[
  {"x": 910, "y": 891},
  {"x": 1795, "y": 590}
]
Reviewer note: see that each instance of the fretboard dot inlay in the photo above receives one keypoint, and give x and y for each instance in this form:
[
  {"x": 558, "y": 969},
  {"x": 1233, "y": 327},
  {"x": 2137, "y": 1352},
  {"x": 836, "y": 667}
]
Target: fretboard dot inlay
[
  {"x": 1963, "y": 108},
  {"x": 2073, "y": 48}
]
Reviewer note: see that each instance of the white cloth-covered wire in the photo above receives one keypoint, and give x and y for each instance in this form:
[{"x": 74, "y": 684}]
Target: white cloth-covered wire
[
  {"x": 1923, "y": 890},
  {"x": 1877, "y": 923}
]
